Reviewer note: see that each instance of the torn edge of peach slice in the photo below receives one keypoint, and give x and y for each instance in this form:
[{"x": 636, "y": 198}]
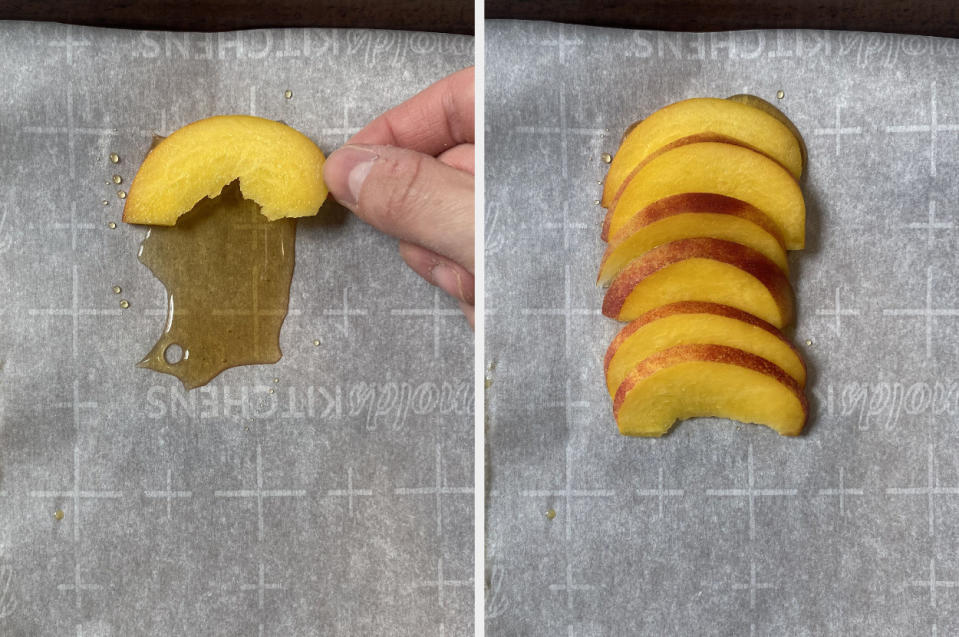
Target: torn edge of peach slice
[
  {"x": 696, "y": 381},
  {"x": 221, "y": 196}
]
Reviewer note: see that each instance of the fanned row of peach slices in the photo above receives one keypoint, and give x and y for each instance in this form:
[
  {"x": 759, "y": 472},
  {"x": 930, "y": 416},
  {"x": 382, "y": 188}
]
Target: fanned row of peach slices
[{"x": 703, "y": 201}]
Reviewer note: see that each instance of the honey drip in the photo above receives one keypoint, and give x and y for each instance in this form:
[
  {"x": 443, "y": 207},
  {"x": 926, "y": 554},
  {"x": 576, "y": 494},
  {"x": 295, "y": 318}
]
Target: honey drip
[{"x": 227, "y": 272}]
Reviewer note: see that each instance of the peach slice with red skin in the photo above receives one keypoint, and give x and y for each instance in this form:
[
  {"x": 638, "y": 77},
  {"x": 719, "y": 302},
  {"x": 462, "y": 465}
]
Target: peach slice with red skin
[
  {"x": 698, "y": 120},
  {"x": 689, "y": 215},
  {"x": 723, "y": 169},
  {"x": 701, "y": 269},
  {"x": 691, "y": 323},
  {"x": 691, "y": 381}
]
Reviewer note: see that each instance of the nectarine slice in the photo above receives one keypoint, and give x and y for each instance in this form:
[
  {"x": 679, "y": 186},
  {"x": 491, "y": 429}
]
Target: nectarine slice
[
  {"x": 278, "y": 167},
  {"x": 701, "y": 119},
  {"x": 710, "y": 270},
  {"x": 692, "y": 215},
  {"x": 691, "y": 323},
  {"x": 723, "y": 169},
  {"x": 690, "y": 381}
]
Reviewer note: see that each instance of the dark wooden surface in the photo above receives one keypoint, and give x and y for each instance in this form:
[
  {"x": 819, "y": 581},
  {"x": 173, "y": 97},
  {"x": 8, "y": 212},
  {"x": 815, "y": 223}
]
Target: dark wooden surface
[
  {"x": 444, "y": 16},
  {"x": 930, "y": 17}
]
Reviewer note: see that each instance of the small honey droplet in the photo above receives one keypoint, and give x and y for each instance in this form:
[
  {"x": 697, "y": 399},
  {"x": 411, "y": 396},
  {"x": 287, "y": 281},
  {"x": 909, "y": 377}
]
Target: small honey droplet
[
  {"x": 124, "y": 303},
  {"x": 117, "y": 179},
  {"x": 606, "y": 157},
  {"x": 121, "y": 194},
  {"x": 105, "y": 202},
  {"x": 316, "y": 342},
  {"x": 550, "y": 514},
  {"x": 808, "y": 341},
  {"x": 780, "y": 94},
  {"x": 114, "y": 158},
  {"x": 116, "y": 289},
  {"x": 595, "y": 202},
  {"x": 288, "y": 94},
  {"x": 112, "y": 225},
  {"x": 58, "y": 515},
  {"x": 276, "y": 380},
  {"x": 272, "y": 391}
]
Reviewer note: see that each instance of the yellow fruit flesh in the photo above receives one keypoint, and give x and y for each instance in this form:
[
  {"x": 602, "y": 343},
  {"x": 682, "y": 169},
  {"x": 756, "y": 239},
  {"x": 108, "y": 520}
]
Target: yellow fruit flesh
[
  {"x": 705, "y": 328},
  {"x": 278, "y": 167},
  {"x": 699, "y": 279},
  {"x": 723, "y": 169},
  {"x": 688, "y": 225},
  {"x": 692, "y": 389},
  {"x": 748, "y": 125}
]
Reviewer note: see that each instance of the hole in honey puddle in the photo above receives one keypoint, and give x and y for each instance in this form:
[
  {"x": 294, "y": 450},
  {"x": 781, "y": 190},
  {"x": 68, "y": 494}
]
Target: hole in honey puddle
[
  {"x": 173, "y": 354},
  {"x": 227, "y": 272}
]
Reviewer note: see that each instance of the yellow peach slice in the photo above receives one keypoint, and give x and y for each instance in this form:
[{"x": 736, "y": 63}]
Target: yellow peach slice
[
  {"x": 701, "y": 119},
  {"x": 691, "y": 381},
  {"x": 691, "y": 323},
  {"x": 723, "y": 169},
  {"x": 692, "y": 215},
  {"x": 701, "y": 269},
  {"x": 278, "y": 167},
  {"x": 767, "y": 107}
]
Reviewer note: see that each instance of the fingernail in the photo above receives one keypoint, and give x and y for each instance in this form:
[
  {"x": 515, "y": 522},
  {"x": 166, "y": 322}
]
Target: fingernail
[
  {"x": 446, "y": 279},
  {"x": 346, "y": 170}
]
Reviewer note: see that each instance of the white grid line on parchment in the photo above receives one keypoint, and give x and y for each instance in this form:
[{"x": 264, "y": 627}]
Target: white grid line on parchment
[
  {"x": 436, "y": 312},
  {"x": 73, "y": 226},
  {"x": 928, "y": 312},
  {"x": 753, "y": 585},
  {"x": 566, "y": 225},
  {"x": 260, "y": 493},
  {"x": 660, "y": 493},
  {"x": 168, "y": 494},
  {"x": 842, "y": 491},
  {"x": 349, "y": 492},
  {"x": 441, "y": 583},
  {"x": 72, "y": 131},
  {"x": 567, "y": 311},
  {"x": 933, "y": 128},
  {"x": 563, "y": 130},
  {"x": 570, "y": 586},
  {"x": 261, "y": 586},
  {"x": 346, "y": 312},
  {"x": 838, "y": 130},
  {"x": 930, "y": 491},
  {"x": 931, "y": 224},
  {"x": 751, "y": 493},
  {"x": 438, "y": 489},
  {"x": 77, "y": 495},
  {"x": 932, "y": 583},
  {"x": 837, "y": 312},
  {"x": 346, "y": 131},
  {"x": 74, "y": 311},
  {"x": 69, "y": 44},
  {"x": 560, "y": 43}
]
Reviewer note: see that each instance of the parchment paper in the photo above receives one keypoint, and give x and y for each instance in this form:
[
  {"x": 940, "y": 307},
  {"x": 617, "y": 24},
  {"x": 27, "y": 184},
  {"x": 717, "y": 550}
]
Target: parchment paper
[
  {"x": 721, "y": 529},
  {"x": 338, "y": 504}
]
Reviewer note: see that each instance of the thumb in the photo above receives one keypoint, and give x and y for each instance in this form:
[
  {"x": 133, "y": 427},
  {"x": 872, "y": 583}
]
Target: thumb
[{"x": 406, "y": 194}]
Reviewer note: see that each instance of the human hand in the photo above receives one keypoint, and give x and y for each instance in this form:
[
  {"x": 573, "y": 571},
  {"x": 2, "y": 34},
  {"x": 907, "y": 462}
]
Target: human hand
[{"x": 409, "y": 173}]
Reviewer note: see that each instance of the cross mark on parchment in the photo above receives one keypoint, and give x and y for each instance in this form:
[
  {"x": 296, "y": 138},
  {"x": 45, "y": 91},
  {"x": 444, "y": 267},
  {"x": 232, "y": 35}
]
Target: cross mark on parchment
[
  {"x": 259, "y": 493},
  {"x": 438, "y": 489},
  {"x": 751, "y": 493}
]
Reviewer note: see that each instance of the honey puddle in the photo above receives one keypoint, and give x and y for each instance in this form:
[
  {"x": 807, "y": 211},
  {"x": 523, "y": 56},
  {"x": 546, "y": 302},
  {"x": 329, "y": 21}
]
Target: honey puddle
[{"x": 227, "y": 272}]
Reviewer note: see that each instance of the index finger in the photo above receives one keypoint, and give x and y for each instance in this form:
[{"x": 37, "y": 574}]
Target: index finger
[{"x": 439, "y": 117}]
